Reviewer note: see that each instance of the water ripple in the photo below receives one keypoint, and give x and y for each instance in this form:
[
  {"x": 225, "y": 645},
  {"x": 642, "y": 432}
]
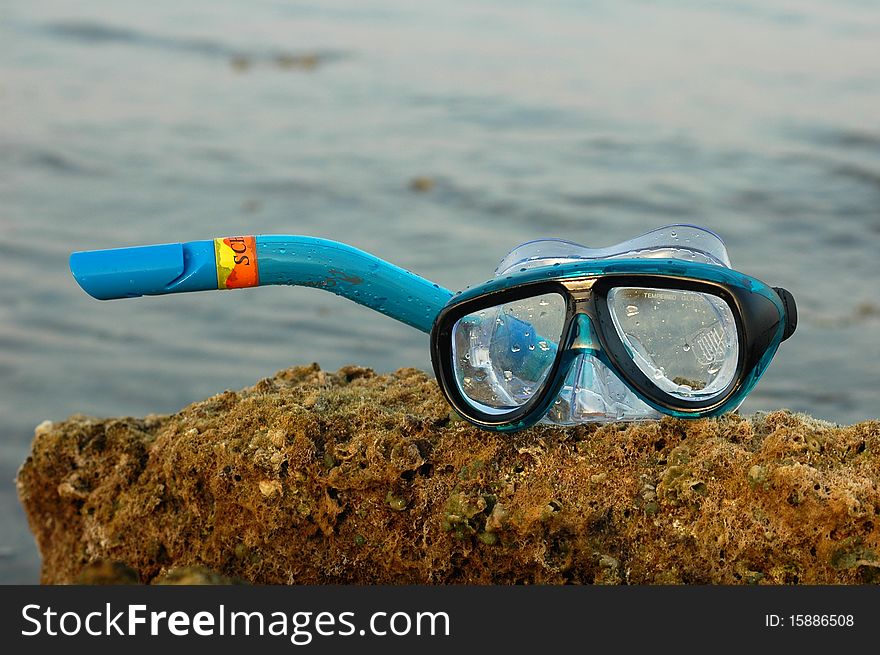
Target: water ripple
[{"x": 94, "y": 33}]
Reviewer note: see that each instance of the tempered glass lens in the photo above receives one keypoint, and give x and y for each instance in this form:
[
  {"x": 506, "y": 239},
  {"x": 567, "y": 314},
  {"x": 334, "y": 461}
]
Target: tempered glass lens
[
  {"x": 502, "y": 354},
  {"x": 684, "y": 341}
]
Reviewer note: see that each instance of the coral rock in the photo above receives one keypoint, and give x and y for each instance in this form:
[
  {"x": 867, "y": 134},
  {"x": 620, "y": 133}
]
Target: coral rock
[{"x": 353, "y": 477}]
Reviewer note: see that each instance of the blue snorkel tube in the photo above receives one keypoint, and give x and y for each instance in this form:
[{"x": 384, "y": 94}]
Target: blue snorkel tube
[{"x": 239, "y": 262}]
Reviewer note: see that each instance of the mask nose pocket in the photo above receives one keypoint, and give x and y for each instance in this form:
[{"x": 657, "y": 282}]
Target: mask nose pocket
[{"x": 592, "y": 391}]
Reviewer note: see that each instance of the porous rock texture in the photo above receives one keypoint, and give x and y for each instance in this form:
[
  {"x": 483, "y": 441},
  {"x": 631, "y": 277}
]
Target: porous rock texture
[{"x": 353, "y": 477}]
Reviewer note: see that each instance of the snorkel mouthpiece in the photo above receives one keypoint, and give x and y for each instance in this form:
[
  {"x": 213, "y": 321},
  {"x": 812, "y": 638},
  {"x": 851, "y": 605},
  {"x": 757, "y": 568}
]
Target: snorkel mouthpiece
[{"x": 145, "y": 270}]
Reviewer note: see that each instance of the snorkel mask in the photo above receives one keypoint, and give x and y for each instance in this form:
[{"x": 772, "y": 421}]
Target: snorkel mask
[{"x": 562, "y": 334}]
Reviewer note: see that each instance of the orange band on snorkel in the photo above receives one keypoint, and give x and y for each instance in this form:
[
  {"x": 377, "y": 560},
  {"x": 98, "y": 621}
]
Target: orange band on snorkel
[{"x": 236, "y": 262}]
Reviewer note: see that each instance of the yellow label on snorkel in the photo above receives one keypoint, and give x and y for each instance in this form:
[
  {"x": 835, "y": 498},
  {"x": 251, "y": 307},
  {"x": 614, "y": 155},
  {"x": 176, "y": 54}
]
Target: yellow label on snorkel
[{"x": 236, "y": 262}]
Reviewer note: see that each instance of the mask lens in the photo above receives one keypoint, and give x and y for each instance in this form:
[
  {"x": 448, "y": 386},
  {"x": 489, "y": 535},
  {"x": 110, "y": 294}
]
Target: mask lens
[
  {"x": 502, "y": 354},
  {"x": 685, "y": 342}
]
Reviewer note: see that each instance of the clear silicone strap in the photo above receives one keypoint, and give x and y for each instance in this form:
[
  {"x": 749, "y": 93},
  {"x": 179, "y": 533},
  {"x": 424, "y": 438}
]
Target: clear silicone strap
[{"x": 684, "y": 242}]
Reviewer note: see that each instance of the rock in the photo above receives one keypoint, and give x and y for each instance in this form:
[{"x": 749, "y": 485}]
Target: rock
[
  {"x": 308, "y": 61},
  {"x": 105, "y": 572},
  {"x": 352, "y": 477},
  {"x": 421, "y": 184},
  {"x": 193, "y": 575},
  {"x": 270, "y": 488},
  {"x": 240, "y": 63}
]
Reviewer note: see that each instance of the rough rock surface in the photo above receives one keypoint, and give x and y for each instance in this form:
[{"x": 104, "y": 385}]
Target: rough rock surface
[{"x": 352, "y": 477}]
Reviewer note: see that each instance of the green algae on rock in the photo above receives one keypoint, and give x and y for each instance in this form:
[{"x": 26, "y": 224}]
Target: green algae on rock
[
  {"x": 106, "y": 572},
  {"x": 352, "y": 477}
]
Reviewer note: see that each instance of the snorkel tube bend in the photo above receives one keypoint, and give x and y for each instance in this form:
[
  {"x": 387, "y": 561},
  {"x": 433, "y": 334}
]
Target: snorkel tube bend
[{"x": 249, "y": 261}]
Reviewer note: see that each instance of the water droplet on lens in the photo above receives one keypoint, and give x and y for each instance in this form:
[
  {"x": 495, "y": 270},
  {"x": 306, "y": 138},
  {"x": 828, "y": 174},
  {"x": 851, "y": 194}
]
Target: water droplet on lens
[
  {"x": 631, "y": 310},
  {"x": 543, "y": 303},
  {"x": 508, "y": 376},
  {"x": 531, "y": 346},
  {"x": 515, "y": 348},
  {"x": 543, "y": 345},
  {"x": 686, "y": 347}
]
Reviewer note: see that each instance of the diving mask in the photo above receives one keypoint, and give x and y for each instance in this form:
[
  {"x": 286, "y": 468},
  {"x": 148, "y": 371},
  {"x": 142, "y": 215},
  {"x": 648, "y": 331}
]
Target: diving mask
[{"x": 563, "y": 333}]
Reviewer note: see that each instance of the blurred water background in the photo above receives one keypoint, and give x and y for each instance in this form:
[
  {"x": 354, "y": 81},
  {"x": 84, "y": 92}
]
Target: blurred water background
[{"x": 435, "y": 135}]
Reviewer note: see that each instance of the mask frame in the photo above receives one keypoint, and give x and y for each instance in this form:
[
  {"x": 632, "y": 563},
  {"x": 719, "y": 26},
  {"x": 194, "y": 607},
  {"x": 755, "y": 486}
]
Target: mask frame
[{"x": 758, "y": 311}]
